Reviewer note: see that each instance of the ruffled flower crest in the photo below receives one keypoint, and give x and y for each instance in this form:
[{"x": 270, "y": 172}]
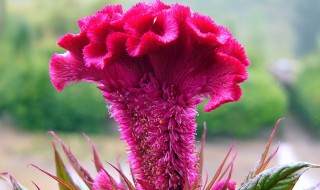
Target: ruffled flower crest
[{"x": 154, "y": 63}]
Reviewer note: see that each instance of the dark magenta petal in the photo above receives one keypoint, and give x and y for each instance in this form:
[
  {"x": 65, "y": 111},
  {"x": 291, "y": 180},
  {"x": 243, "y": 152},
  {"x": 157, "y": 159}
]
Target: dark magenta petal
[
  {"x": 94, "y": 54},
  {"x": 114, "y": 12},
  {"x": 97, "y": 32},
  {"x": 142, "y": 8},
  {"x": 96, "y": 50},
  {"x": 84, "y": 23},
  {"x": 74, "y": 43},
  {"x": 204, "y": 30},
  {"x": 98, "y": 27},
  {"x": 201, "y": 71},
  {"x": 149, "y": 31},
  {"x": 229, "y": 72},
  {"x": 67, "y": 68},
  {"x": 234, "y": 49},
  {"x": 118, "y": 75},
  {"x": 116, "y": 47}
]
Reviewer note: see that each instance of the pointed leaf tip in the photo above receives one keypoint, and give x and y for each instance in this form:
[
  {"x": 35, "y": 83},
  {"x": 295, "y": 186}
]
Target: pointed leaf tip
[
  {"x": 127, "y": 181},
  {"x": 36, "y": 185},
  {"x": 264, "y": 161},
  {"x": 61, "y": 170},
  {"x": 201, "y": 153},
  {"x": 96, "y": 157},
  {"x": 15, "y": 185},
  {"x": 67, "y": 185},
  {"x": 83, "y": 173},
  {"x": 283, "y": 177},
  {"x": 122, "y": 181},
  {"x": 216, "y": 176}
]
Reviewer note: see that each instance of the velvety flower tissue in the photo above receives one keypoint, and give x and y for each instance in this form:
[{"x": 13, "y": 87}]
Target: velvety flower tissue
[{"x": 154, "y": 63}]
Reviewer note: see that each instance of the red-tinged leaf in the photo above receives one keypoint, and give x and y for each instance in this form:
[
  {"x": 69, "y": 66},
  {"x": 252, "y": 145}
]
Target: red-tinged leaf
[
  {"x": 265, "y": 153},
  {"x": 229, "y": 166},
  {"x": 69, "y": 186},
  {"x": 214, "y": 179},
  {"x": 96, "y": 156},
  {"x": 201, "y": 153},
  {"x": 265, "y": 164},
  {"x": 14, "y": 183},
  {"x": 283, "y": 177},
  {"x": 112, "y": 180},
  {"x": 145, "y": 185},
  {"x": 206, "y": 181},
  {"x": 127, "y": 181},
  {"x": 262, "y": 164},
  {"x": 133, "y": 177},
  {"x": 122, "y": 181},
  {"x": 2, "y": 176},
  {"x": 61, "y": 170},
  {"x": 36, "y": 185},
  {"x": 225, "y": 187},
  {"x": 83, "y": 173}
]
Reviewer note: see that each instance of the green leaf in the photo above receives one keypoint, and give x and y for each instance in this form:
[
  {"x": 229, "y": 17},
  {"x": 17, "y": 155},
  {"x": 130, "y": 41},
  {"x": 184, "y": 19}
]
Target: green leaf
[
  {"x": 69, "y": 186},
  {"x": 61, "y": 170},
  {"x": 82, "y": 172},
  {"x": 282, "y": 177},
  {"x": 201, "y": 154}
]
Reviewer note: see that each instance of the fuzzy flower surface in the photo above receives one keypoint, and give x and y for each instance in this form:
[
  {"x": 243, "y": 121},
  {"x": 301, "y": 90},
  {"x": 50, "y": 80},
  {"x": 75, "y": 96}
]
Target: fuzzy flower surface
[
  {"x": 224, "y": 184},
  {"x": 154, "y": 63},
  {"x": 103, "y": 182}
]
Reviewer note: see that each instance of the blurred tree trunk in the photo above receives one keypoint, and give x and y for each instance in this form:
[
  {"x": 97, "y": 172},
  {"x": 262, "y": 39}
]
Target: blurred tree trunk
[{"x": 2, "y": 15}]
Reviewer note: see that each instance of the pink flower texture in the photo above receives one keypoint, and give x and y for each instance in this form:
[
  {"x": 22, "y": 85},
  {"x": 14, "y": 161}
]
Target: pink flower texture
[
  {"x": 103, "y": 182},
  {"x": 224, "y": 184},
  {"x": 154, "y": 63}
]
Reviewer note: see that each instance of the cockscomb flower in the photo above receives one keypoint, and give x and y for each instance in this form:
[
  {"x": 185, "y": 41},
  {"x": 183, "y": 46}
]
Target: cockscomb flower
[{"x": 154, "y": 63}]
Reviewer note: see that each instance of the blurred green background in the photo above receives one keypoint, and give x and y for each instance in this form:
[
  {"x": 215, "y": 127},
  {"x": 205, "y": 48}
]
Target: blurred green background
[{"x": 281, "y": 38}]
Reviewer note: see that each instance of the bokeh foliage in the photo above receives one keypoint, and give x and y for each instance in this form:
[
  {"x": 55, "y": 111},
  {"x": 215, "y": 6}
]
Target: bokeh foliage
[
  {"x": 306, "y": 91},
  {"x": 30, "y": 28},
  {"x": 26, "y": 45}
]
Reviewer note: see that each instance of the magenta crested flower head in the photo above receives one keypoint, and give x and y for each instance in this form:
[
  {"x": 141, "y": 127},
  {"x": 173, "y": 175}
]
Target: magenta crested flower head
[{"x": 154, "y": 63}]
